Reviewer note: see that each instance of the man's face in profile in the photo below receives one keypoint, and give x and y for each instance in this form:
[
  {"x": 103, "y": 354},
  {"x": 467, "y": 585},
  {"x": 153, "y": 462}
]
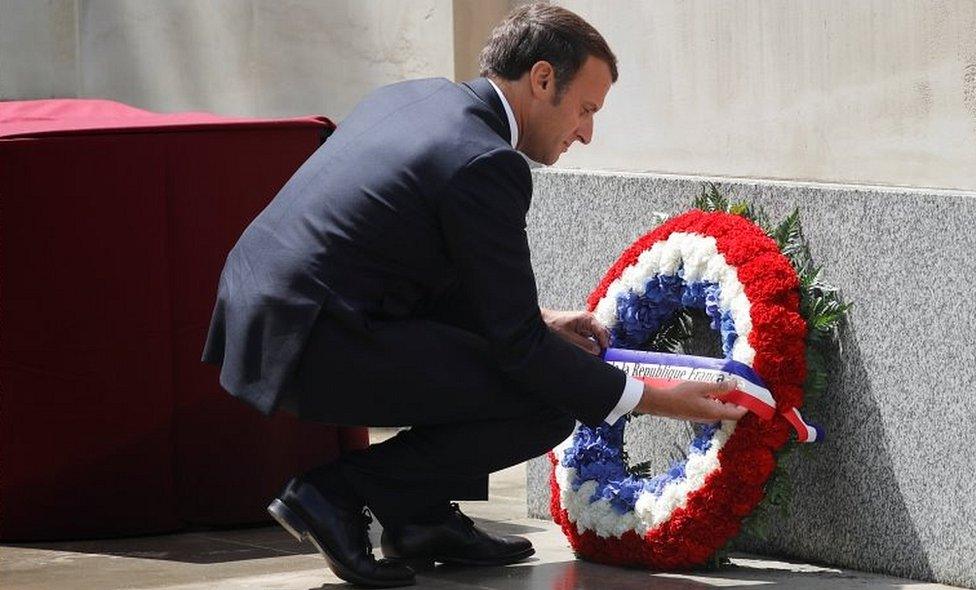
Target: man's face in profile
[{"x": 569, "y": 117}]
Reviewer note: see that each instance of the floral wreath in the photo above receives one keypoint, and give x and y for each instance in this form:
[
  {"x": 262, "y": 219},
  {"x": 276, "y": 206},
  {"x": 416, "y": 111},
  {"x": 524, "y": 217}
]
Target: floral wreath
[{"x": 757, "y": 286}]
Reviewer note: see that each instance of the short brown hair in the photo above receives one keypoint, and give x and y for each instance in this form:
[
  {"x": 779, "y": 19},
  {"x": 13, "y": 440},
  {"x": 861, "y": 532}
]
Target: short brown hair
[{"x": 543, "y": 31}]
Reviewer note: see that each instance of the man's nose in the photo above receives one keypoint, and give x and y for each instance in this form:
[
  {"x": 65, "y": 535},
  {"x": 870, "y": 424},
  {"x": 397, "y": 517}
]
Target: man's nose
[{"x": 585, "y": 131}]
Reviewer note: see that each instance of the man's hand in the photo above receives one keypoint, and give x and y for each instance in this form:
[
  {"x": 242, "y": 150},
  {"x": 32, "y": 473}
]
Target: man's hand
[
  {"x": 576, "y": 327},
  {"x": 689, "y": 400}
]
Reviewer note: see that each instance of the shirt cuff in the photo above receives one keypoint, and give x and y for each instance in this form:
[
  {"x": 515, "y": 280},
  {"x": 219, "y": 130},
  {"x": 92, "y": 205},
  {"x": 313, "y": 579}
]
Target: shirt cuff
[{"x": 631, "y": 396}]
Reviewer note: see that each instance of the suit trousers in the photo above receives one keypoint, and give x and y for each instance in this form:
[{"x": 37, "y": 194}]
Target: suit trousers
[{"x": 435, "y": 374}]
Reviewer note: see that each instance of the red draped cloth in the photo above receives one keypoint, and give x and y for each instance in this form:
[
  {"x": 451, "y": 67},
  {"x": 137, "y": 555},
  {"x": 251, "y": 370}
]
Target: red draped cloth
[{"x": 114, "y": 225}]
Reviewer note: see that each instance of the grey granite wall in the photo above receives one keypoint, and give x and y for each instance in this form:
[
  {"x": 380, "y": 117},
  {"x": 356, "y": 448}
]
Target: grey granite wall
[{"x": 892, "y": 489}]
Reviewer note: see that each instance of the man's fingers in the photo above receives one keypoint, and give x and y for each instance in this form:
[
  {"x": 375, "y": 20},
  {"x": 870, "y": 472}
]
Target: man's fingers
[
  {"x": 699, "y": 402},
  {"x": 598, "y": 331},
  {"x": 721, "y": 389},
  {"x": 723, "y": 412},
  {"x": 715, "y": 393},
  {"x": 731, "y": 412},
  {"x": 588, "y": 325},
  {"x": 584, "y": 343},
  {"x": 717, "y": 410},
  {"x": 578, "y": 327}
]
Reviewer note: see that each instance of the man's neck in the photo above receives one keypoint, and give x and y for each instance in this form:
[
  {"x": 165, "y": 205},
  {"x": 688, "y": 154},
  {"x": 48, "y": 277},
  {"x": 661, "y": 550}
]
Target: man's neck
[{"x": 511, "y": 95}]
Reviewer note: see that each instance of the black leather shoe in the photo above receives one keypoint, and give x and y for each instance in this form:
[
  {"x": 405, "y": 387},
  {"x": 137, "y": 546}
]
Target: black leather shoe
[
  {"x": 339, "y": 531},
  {"x": 454, "y": 540}
]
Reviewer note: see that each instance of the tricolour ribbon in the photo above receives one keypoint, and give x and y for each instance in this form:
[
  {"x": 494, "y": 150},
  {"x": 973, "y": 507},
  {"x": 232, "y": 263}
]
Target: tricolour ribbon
[
  {"x": 665, "y": 370},
  {"x": 805, "y": 431}
]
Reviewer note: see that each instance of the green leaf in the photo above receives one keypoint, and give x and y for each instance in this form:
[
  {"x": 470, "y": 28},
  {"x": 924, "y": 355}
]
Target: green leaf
[
  {"x": 676, "y": 331},
  {"x": 710, "y": 199},
  {"x": 641, "y": 469},
  {"x": 741, "y": 208}
]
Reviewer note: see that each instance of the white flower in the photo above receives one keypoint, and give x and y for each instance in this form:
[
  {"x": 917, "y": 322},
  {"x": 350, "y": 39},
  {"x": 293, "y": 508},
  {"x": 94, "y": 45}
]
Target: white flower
[
  {"x": 606, "y": 309},
  {"x": 696, "y": 258},
  {"x": 670, "y": 258}
]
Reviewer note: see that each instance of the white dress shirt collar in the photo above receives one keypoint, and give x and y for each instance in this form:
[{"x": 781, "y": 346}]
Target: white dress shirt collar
[{"x": 508, "y": 113}]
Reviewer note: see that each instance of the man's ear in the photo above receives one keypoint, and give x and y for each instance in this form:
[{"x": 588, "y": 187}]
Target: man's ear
[{"x": 542, "y": 80}]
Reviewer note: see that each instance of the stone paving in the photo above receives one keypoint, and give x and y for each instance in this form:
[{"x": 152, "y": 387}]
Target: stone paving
[{"x": 268, "y": 558}]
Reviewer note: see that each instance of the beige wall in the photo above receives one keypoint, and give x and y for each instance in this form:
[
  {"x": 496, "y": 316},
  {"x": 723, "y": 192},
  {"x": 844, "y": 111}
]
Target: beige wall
[
  {"x": 861, "y": 91},
  {"x": 880, "y": 91},
  {"x": 38, "y": 48},
  {"x": 245, "y": 57},
  {"x": 473, "y": 22}
]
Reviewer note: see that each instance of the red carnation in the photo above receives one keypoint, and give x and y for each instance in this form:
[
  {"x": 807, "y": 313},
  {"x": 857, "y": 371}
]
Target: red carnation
[
  {"x": 746, "y": 500},
  {"x": 768, "y": 277},
  {"x": 787, "y": 367},
  {"x": 741, "y": 250},
  {"x": 755, "y": 465},
  {"x": 788, "y": 396},
  {"x": 775, "y": 320},
  {"x": 776, "y": 432}
]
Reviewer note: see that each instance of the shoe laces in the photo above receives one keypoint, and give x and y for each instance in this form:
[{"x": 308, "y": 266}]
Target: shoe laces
[{"x": 457, "y": 509}]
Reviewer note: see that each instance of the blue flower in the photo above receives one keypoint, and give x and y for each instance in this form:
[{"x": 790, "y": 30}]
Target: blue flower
[
  {"x": 712, "y": 292},
  {"x": 655, "y": 485},
  {"x": 693, "y": 296},
  {"x": 621, "y": 493},
  {"x": 677, "y": 470},
  {"x": 671, "y": 285},
  {"x": 729, "y": 335},
  {"x": 601, "y": 472},
  {"x": 640, "y": 316},
  {"x": 703, "y": 439},
  {"x": 597, "y": 453}
]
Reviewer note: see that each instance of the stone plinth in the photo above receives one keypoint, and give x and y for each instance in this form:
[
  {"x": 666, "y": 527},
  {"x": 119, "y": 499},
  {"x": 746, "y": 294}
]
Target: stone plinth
[{"x": 892, "y": 489}]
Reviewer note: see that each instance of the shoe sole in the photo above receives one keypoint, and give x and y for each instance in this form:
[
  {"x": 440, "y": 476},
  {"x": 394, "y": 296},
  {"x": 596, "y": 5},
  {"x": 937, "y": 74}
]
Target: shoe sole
[
  {"x": 426, "y": 563},
  {"x": 296, "y": 526}
]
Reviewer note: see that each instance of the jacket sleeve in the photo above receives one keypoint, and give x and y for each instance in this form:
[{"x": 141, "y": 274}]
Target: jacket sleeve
[{"x": 482, "y": 211}]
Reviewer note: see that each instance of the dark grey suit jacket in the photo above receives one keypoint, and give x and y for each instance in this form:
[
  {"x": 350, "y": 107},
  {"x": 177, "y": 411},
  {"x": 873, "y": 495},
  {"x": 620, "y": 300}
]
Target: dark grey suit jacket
[{"x": 418, "y": 191}]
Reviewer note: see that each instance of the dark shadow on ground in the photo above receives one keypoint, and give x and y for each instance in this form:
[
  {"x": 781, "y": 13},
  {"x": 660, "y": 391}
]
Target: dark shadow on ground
[
  {"x": 507, "y": 527},
  {"x": 221, "y": 545},
  {"x": 200, "y": 547}
]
